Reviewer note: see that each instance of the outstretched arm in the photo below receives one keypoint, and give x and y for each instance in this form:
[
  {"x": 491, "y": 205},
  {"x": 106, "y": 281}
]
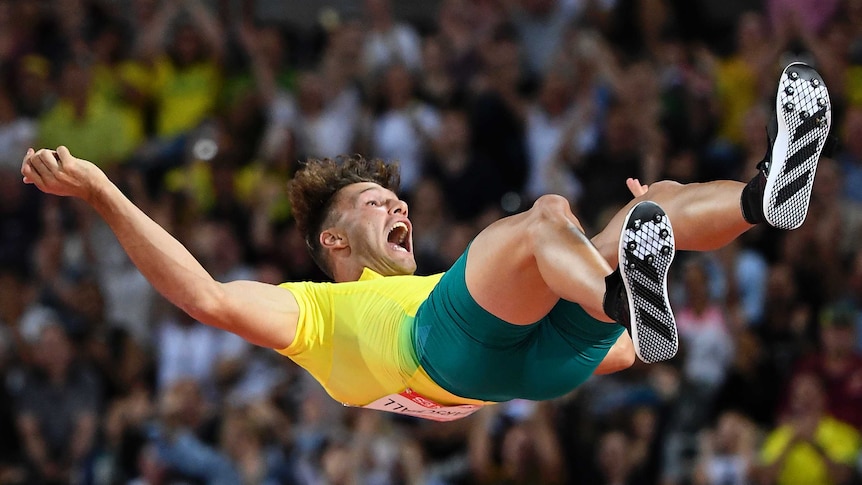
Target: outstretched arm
[{"x": 263, "y": 314}]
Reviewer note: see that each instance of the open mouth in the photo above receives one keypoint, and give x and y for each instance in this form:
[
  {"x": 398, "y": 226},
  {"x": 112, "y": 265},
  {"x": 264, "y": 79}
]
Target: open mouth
[{"x": 398, "y": 237}]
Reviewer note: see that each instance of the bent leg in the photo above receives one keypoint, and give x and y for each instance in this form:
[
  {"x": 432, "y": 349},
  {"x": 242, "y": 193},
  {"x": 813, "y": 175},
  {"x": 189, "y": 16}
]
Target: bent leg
[
  {"x": 520, "y": 266},
  {"x": 473, "y": 354},
  {"x": 705, "y": 216}
]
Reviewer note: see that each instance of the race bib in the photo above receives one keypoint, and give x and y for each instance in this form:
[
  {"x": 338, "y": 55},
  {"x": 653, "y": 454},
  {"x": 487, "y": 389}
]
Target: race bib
[{"x": 410, "y": 403}]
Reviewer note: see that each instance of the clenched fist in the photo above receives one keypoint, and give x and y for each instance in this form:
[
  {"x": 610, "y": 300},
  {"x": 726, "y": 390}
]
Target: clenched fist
[{"x": 60, "y": 173}]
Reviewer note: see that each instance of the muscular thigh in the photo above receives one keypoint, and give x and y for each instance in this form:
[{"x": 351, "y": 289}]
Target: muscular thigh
[{"x": 502, "y": 275}]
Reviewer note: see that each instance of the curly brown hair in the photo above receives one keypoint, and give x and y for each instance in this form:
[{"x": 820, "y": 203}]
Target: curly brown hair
[{"x": 314, "y": 186}]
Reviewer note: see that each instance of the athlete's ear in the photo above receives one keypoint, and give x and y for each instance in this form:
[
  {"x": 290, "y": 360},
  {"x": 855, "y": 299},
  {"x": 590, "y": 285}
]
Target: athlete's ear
[{"x": 333, "y": 239}]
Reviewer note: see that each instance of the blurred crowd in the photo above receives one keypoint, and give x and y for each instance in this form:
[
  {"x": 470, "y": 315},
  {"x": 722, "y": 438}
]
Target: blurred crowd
[{"x": 201, "y": 112}]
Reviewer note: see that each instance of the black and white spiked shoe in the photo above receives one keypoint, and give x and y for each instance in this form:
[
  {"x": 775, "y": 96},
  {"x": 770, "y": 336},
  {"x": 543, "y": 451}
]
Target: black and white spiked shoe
[
  {"x": 637, "y": 291},
  {"x": 797, "y": 133}
]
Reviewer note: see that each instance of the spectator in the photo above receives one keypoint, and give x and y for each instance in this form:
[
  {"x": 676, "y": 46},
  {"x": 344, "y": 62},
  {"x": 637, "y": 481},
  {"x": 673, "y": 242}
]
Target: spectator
[
  {"x": 782, "y": 331},
  {"x": 837, "y": 364},
  {"x": 464, "y": 27},
  {"x": 551, "y": 121},
  {"x": 64, "y": 283},
  {"x": 326, "y": 123},
  {"x": 811, "y": 446},
  {"x": 119, "y": 79},
  {"x": 178, "y": 445},
  {"x": 498, "y": 109},
  {"x": 541, "y": 25},
  {"x": 707, "y": 352},
  {"x": 515, "y": 444},
  {"x": 471, "y": 183},
  {"x": 247, "y": 436},
  {"x": 17, "y": 133},
  {"x": 601, "y": 89},
  {"x": 187, "y": 62},
  {"x": 84, "y": 122},
  {"x": 404, "y": 128},
  {"x": 32, "y": 86},
  {"x": 618, "y": 151},
  {"x": 436, "y": 85},
  {"x": 704, "y": 331},
  {"x": 122, "y": 452},
  {"x": 727, "y": 452},
  {"x": 613, "y": 459},
  {"x": 742, "y": 272},
  {"x": 187, "y": 349},
  {"x": 57, "y": 410},
  {"x": 389, "y": 41},
  {"x": 644, "y": 434},
  {"x": 752, "y": 387},
  {"x": 744, "y": 76},
  {"x": 274, "y": 82}
]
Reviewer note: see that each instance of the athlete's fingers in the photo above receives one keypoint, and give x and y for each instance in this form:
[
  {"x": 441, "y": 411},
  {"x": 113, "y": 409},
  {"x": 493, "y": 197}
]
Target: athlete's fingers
[
  {"x": 49, "y": 160},
  {"x": 46, "y": 162},
  {"x": 65, "y": 158},
  {"x": 63, "y": 154},
  {"x": 635, "y": 187},
  {"x": 35, "y": 165},
  {"x": 24, "y": 164},
  {"x": 31, "y": 176}
]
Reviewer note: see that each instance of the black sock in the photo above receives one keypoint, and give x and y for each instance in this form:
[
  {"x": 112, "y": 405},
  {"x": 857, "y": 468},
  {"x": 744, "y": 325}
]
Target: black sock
[
  {"x": 614, "y": 303},
  {"x": 751, "y": 201}
]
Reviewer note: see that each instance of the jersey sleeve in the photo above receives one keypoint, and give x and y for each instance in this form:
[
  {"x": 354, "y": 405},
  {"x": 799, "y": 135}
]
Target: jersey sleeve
[{"x": 315, "y": 318}]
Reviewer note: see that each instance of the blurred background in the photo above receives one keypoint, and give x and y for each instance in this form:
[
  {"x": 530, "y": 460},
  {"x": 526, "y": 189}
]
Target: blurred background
[{"x": 201, "y": 112}]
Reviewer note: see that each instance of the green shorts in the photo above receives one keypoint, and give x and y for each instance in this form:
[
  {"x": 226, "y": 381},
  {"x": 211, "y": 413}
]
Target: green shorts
[{"x": 473, "y": 354}]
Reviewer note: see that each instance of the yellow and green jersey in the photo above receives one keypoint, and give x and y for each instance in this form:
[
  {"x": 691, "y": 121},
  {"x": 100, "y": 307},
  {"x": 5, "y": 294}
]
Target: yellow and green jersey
[{"x": 356, "y": 338}]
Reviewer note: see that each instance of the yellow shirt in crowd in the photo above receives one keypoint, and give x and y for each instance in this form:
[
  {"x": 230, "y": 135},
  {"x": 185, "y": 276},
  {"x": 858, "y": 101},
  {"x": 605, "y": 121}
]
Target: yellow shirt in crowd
[
  {"x": 804, "y": 465},
  {"x": 184, "y": 97}
]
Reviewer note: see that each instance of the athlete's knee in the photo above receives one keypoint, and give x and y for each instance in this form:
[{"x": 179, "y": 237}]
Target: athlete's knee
[
  {"x": 553, "y": 208},
  {"x": 663, "y": 189},
  {"x": 550, "y": 213}
]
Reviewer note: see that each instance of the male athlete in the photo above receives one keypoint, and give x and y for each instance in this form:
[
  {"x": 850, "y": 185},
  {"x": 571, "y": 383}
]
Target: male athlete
[{"x": 529, "y": 309}]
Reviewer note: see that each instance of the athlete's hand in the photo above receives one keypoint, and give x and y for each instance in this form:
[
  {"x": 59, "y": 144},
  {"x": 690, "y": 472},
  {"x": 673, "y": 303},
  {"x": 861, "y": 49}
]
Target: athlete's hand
[
  {"x": 60, "y": 173},
  {"x": 635, "y": 187}
]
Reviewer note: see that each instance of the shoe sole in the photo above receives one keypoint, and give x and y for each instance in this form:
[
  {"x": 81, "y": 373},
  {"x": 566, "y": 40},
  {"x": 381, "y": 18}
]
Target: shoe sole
[
  {"x": 803, "y": 113},
  {"x": 646, "y": 251}
]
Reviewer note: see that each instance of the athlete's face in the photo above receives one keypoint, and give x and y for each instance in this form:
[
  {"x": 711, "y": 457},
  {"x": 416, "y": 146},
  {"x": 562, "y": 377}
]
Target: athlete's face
[{"x": 378, "y": 234}]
